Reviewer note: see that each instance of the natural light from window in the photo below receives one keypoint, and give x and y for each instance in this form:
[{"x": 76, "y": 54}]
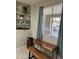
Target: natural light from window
[{"x": 51, "y": 20}]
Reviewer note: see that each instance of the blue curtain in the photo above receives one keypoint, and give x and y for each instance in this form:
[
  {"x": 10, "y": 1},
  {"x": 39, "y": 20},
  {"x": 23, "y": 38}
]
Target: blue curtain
[
  {"x": 60, "y": 38},
  {"x": 39, "y": 29}
]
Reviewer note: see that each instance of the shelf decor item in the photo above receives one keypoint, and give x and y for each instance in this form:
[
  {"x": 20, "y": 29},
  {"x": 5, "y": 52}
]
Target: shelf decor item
[{"x": 23, "y": 24}]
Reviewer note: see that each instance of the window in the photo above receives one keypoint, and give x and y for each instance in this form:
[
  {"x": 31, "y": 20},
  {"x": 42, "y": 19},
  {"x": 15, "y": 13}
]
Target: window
[{"x": 51, "y": 19}]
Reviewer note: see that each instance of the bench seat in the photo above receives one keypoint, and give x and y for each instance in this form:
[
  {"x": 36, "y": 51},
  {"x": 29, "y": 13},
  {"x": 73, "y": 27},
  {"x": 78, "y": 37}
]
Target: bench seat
[{"x": 37, "y": 53}]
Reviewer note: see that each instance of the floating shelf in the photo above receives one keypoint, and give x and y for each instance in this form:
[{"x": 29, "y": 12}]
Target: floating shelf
[{"x": 23, "y": 16}]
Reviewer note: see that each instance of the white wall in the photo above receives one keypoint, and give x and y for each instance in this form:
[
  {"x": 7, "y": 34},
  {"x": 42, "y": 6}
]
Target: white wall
[
  {"x": 35, "y": 15},
  {"x": 21, "y": 36},
  {"x": 34, "y": 21}
]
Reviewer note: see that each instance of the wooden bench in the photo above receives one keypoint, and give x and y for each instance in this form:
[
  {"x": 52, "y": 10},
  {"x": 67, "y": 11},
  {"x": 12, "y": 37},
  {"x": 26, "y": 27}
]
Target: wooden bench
[{"x": 37, "y": 53}]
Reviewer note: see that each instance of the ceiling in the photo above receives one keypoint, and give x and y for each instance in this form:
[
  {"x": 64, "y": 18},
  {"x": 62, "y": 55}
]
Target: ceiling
[{"x": 32, "y": 2}]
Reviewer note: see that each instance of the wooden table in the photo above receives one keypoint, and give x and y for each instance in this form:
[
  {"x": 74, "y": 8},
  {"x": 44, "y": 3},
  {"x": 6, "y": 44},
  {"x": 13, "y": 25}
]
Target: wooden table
[{"x": 45, "y": 45}]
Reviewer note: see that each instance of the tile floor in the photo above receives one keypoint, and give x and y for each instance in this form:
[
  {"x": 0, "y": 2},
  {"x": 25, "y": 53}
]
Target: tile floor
[{"x": 22, "y": 53}]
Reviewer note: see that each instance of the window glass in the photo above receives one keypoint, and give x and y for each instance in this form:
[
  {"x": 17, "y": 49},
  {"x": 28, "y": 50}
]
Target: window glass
[
  {"x": 57, "y": 9},
  {"x": 57, "y": 19},
  {"x": 55, "y": 26},
  {"x": 51, "y": 20}
]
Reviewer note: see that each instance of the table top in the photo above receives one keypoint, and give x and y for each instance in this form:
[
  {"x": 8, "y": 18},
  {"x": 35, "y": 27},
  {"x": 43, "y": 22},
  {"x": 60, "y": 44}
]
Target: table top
[{"x": 44, "y": 44}]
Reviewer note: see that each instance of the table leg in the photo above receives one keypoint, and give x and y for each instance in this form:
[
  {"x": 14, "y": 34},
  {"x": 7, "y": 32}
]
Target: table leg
[{"x": 29, "y": 55}]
